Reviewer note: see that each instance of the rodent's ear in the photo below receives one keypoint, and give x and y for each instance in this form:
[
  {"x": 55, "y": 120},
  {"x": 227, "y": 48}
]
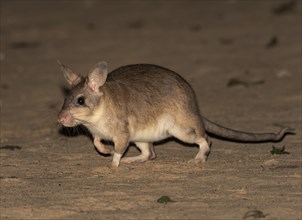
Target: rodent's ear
[
  {"x": 97, "y": 77},
  {"x": 71, "y": 77}
]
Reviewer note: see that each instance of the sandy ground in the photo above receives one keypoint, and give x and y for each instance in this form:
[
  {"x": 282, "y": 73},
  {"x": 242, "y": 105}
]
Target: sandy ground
[{"x": 46, "y": 174}]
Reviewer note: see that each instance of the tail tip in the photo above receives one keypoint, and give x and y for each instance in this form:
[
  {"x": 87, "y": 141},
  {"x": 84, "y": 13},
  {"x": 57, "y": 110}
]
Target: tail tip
[
  {"x": 285, "y": 131},
  {"x": 289, "y": 130}
]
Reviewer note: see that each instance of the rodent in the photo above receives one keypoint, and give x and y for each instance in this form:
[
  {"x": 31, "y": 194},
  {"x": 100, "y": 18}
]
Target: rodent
[{"x": 142, "y": 103}]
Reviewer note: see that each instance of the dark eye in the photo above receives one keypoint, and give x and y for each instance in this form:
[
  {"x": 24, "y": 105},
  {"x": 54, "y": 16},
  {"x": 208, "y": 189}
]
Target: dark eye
[{"x": 81, "y": 101}]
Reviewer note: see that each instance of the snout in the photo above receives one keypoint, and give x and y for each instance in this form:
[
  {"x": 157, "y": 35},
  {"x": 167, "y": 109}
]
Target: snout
[{"x": 66, "y": 119}]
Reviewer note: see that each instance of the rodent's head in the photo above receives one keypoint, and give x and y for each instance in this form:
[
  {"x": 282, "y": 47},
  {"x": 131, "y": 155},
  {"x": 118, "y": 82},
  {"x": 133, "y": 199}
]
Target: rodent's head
[{"x": 84, "y": 96}]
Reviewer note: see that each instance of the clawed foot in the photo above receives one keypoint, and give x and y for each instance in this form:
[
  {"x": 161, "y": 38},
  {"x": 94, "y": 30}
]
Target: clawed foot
[
  {"x": 137, "y": 159},
  {"x": 198, "y": 160}
]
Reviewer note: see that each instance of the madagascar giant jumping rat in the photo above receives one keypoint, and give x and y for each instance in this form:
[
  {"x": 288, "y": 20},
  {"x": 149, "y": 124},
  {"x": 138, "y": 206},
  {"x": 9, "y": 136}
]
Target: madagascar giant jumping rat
[{"x": 143, "y": 104}]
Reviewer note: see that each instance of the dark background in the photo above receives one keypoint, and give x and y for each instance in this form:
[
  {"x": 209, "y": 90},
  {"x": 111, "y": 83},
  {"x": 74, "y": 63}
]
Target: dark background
[{"x": 243, "y": 59}]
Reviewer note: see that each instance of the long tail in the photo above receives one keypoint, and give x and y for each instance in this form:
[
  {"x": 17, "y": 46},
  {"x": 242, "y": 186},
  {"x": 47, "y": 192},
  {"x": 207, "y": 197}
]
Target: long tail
[{"x": 234, "y": 135}]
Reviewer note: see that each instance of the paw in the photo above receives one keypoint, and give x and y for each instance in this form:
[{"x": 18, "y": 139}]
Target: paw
[
  {"x": 152, "y": 157},
  {"x": 198, "y": 160},
  {"x": 128, "y": 160},
  {"x": 134, "y": 159},
  {"x": 116, "y": 160}
]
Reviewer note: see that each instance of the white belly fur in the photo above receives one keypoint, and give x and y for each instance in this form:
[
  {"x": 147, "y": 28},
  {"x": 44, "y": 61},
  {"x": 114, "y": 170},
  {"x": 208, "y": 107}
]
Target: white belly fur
[{"x": 151, "y": 133}]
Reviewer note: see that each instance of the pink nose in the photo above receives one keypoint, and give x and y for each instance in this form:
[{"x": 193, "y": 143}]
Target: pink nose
[{"x": 66, "y": 118}]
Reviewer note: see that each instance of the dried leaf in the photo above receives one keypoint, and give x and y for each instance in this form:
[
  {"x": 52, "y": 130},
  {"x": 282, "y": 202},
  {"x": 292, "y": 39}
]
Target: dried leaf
[
  {"x": 285, "y": 7},
  {"x": 254, "y": 214},
  {"x": 272, "y": 43},
  {"x": 164, "y": 199},
  {"x": 235, "y": 82},
  {"x": 281, "y": 150}
]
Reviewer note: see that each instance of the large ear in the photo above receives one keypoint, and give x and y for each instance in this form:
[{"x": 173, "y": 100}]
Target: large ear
[
  {"x": 71, "y": 77},
  {"x": 97, "y": 77}
]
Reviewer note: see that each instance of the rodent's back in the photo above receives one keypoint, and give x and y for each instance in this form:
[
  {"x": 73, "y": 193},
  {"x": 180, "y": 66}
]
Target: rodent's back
[
  {"x": 142, "y": 73},
  {"x": 152, "y": 88},
  {"x": 147, "y": 77}
]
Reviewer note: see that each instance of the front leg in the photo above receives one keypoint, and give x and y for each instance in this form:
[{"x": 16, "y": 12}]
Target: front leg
[
  {"x": 101, "y": 147},
  {"x": 120, "y": 145}
]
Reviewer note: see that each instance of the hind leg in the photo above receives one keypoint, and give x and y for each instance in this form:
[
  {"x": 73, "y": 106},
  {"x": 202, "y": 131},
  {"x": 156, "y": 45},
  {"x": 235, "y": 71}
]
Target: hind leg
[
  {"x": 192, "y": 135},
  {"x": 152, "y": 152},
  {"x": 204, "y": 150},
  {"x": 147, "y": 152}
]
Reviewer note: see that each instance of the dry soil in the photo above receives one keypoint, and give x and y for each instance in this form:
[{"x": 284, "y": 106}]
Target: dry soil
[{"x": 243, "y": 59}]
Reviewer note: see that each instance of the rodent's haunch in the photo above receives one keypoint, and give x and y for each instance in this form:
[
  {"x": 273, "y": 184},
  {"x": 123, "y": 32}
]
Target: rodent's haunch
[{"x": 142, "y": 103}]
